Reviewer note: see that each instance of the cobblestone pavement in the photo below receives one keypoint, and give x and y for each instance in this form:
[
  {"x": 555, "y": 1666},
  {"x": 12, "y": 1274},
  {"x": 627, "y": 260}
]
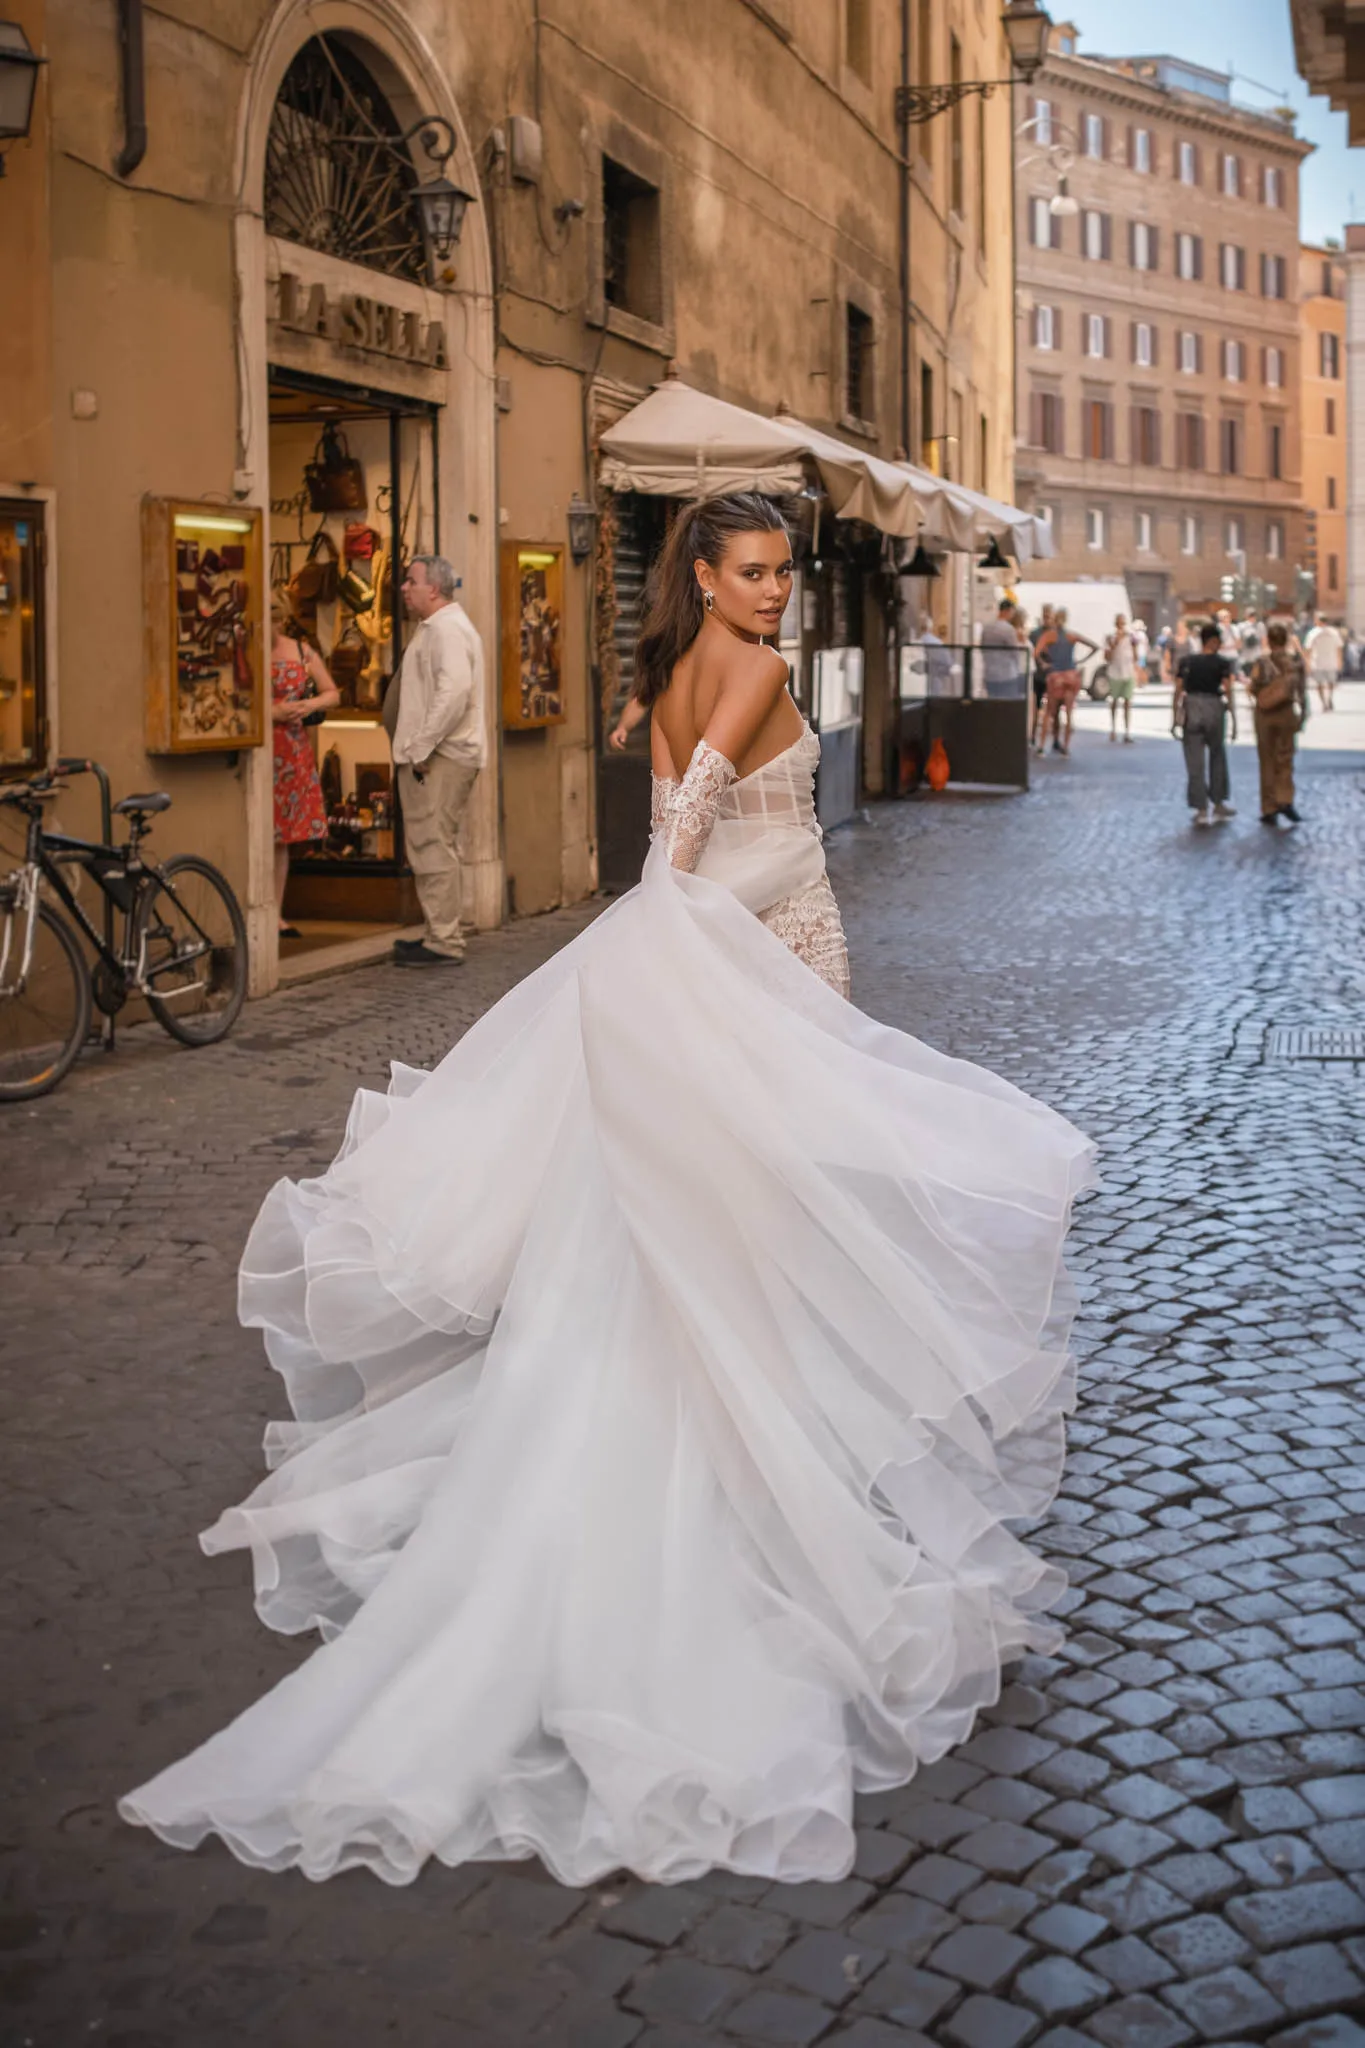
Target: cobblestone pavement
[{"x": 1157, "y": 1837}]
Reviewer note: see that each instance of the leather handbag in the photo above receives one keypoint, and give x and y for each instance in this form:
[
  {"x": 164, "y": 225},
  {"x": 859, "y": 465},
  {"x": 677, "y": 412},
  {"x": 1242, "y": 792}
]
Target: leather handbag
[
  {"x": 348, "y": 657},
  {"x": 359, "y": 541},
  {"x": 335, "y": 479},
  {"x": 1276, "y": 694}
]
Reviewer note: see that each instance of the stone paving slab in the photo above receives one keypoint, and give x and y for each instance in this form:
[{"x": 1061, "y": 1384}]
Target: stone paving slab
[{"x": 1156, "y": 1837}]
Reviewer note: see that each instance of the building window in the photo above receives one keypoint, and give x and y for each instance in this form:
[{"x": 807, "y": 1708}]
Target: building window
[
  {"x": 983, "y": 444},
  {"x": 1096, "y": 334},
  {"x": 1232, "y": 267},
  {"x": 1329, "y": 355},
  {"x": 1094, "y": 526},
  {"x": 1143, "y": 533},
  {"x": 1051, "y": 518},
  {"x": 957, "y": 134},
  {"x": 1232, "y": 536},
  {"x": 1096, "y": 236},
  {"x": 1329, "y": 281},
  {"x": 1098, "y": 418},
  {"x": 1191, "y": 354},
  {"x": 1234, "y": 361},
  {"x": 1189, "y": 534},
  {"x": 1093, "y": 133},
  {"x": 23, "y": 652},
  {"x": 1274, "y": 368},
  {"x": 1144, "y": 345},
  {"x": 1274, "y": 277},
  {"x": 1146, "y": 433},
  {"x": 1274, "y": 450},
  {"x": 1230, "y": 447},
  {"x": 1331, "y": 494},
  {"x": 1142, "y": 150},
  {"x": 1045, "y": 226},
  {"x": 1142, "y": 245},
  {"x": 1332, "y": 572},
  {"x": 1046, "y": 327},
  {"x": 1187, "y": 164},
  {"x": 859, "y": 401},
  {"x": 1274, "y": 539},
  {"x": 1042, "y": 122},
  {"x": 1272, "y": 185},
  {"x": 928, "y": 73},
  {"x": 1330, "y": 423},
  {"x": 1047, "y": 421},
  {"x": 1189, "y": 440},
  {"x": 1189, "y": 257},
  {"x": 1232, "y": 177},
  {"x": 858, "y": 38},
  {"x": 631, "y": 245}
]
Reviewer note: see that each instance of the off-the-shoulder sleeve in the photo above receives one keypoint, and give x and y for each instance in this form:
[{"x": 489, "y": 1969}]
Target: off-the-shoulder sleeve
[{"x": 695, "y": 802}]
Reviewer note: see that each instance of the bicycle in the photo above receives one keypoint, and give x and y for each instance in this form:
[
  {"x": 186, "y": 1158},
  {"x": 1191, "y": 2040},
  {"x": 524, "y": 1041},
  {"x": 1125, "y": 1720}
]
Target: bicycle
[{"x": 182, "y": 949}]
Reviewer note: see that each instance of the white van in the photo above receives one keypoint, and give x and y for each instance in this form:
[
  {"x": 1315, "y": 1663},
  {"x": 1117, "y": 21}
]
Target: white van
[{"x": 1091, "y": 609}]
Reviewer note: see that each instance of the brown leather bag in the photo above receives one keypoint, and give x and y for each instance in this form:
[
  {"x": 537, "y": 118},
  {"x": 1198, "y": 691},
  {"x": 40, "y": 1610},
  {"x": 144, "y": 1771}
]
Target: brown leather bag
[
  {"x": 1275, "y": 679},
  {"x": 335, "y": 479}
]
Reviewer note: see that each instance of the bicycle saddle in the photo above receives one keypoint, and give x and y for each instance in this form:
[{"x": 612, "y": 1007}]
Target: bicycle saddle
[{"x": 151, "y": 800}]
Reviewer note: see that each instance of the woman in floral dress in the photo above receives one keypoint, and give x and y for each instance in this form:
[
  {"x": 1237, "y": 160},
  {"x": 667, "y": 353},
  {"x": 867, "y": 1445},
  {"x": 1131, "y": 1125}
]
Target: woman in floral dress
[{"x": 299, "y": 685}]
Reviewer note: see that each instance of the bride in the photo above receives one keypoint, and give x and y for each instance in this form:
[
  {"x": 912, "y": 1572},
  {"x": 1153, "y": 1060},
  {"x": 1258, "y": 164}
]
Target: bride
[{"x": 667, "y": 1367}]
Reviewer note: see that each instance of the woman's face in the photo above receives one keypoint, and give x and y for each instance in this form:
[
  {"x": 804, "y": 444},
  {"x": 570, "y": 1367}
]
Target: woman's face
[{"x": 752, "y": 583}]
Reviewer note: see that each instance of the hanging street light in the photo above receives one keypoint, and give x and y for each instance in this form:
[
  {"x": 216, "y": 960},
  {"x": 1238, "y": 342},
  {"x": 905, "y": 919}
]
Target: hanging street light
[
  {"x": 582, "y": 528},
  {"x": 441, "y": 208},
  {"x": 18, "y": 83},
  {"x": 1027, "y": 28}
]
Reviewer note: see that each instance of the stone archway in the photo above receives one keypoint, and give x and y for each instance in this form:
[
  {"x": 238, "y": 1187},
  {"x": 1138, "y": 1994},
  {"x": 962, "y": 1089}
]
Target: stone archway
[{"x": 412, "y": 83}]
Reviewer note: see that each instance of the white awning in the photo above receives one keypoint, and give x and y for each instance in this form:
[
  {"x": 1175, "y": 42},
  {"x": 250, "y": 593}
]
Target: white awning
[{"x": 1024, "y": 535}]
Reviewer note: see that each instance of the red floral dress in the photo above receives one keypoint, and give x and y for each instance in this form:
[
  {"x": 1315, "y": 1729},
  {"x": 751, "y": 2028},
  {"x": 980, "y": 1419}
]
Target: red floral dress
[{"x": 299, "y": 810}]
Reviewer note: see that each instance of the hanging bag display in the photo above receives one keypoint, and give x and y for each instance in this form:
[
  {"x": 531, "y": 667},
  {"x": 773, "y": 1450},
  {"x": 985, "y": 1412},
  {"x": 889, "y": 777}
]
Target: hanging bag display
[
  {"x": 359, "y": 541},
  {"x": 314, "y": 582},
  {"x": 335, "y": 478}
]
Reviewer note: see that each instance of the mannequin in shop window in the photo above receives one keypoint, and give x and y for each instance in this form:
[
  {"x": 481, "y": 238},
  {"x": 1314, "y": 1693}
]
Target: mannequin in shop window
[
  {"x": 300, "y": 686},
  {"x": 434, "y": 717}
]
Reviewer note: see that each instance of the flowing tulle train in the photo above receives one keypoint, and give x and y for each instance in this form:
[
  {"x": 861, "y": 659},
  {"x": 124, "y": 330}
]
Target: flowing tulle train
[{"x": 667, "y": 1367}]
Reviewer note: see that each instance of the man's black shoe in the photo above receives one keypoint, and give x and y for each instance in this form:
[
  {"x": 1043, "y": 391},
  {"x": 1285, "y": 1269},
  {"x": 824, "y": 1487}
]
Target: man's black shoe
[
  {"x": 402, "y": 946},
  {"x": 1288, "y": 811},
  {"x": 418, "y": 954},
  {"x": 1270, "y": 817}
]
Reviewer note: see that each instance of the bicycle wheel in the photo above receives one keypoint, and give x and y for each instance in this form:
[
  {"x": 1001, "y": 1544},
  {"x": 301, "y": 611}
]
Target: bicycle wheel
[
  {"x": 191, "y": 938},
  {"x": 45, "y": 1017}
]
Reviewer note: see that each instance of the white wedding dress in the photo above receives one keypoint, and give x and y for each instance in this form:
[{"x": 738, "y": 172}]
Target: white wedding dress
[{"x": 668, "y": 1366}]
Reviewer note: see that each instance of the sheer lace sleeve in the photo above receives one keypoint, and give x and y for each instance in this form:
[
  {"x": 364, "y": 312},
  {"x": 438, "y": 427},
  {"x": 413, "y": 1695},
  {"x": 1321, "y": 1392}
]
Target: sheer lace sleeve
[{"x": 692, "y": 812}]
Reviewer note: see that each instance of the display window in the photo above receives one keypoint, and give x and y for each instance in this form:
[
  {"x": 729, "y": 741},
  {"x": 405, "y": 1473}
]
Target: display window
[
  {"x": 23, "y": 705},
  {"x": 353, "y": 496}
]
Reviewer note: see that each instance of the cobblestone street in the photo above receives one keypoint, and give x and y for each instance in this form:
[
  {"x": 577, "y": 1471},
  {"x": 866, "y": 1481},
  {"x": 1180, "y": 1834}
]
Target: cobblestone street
[{"x": 1155, "y": 1838}]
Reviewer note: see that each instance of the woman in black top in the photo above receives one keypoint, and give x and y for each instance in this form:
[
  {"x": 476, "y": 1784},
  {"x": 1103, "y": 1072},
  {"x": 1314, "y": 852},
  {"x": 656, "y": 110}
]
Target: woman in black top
[{"x": 1203, "y": 694}]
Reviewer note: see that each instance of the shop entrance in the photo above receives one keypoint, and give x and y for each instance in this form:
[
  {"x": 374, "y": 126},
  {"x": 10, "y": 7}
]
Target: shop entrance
[{"x": 353, "y": 495}]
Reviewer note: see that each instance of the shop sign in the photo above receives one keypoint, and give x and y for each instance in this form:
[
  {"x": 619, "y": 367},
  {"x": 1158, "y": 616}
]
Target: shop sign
[{"x": 353, "y": 320}]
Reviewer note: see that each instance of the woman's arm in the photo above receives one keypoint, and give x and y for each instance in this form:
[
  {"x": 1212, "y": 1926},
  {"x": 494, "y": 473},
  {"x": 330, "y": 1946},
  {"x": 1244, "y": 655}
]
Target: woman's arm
[
  {"x": 625, "y": 725},
  {"x": 325, "y": 691}
]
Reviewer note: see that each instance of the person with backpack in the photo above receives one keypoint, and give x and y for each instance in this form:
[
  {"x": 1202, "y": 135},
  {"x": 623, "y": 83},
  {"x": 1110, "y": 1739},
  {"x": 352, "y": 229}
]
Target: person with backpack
[{"x": 1279, "y": 688}]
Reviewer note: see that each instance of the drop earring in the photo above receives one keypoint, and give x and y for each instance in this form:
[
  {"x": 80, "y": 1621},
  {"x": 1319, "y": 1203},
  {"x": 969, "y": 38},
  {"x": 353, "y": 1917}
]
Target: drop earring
[{"x": 708, "y": 598}]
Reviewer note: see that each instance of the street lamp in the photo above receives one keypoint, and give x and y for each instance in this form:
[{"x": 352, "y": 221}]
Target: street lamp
[
  {"x": 18, "y": 82},
  {"x": 440, "y": 205},
  {"x": 1027, "y": 28},
  {"x": 582, "y": 528}
]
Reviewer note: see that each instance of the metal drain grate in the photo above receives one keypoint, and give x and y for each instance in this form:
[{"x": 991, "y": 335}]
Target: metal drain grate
[{"x": 1315, "y": 1042}]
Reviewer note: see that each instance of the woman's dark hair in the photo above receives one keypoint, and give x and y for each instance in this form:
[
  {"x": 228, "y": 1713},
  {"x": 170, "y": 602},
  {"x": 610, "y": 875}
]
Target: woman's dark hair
[
  {"x": 1278, "y": 634},
  {"x": 1209, "y": 635},
  {"x": 673, "y": 600}
]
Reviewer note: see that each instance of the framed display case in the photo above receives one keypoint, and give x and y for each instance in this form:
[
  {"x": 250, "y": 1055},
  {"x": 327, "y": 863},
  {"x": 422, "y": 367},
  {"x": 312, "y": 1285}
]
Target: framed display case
[
  {"x": 23, "y": 677},
  {"x": 205, "y": 609},
  {"x": 532, "y": 632}
]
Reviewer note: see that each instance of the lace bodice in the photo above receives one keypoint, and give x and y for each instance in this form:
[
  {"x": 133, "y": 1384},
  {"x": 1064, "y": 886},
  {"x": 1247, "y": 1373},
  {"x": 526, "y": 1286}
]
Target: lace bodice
[{"x": 780, "y": 793}]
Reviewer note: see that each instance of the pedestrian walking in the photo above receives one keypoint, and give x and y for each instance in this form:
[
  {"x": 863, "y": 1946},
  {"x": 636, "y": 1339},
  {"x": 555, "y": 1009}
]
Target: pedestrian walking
[
  {"x": 300, "y": 688},
  {"x": 1057, "y": 652},
  {"x": 1324, "y": 648},
  {"x": 1279, "y": 689},
  {"x": 1180, "y": 641},
  {"x": 1044, "y": 625},
  {"x": 434, "y": 715},
  {"x": 1121, "y": 658},
  {"x": 1002, "y": 658},
  {"x": 1203, "y": 705}
]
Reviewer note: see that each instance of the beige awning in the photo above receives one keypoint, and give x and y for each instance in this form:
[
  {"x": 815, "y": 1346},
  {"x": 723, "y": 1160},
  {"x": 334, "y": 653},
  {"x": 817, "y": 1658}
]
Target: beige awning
[
  {"x": 1023, "y": 534},
  {"x": 680, "y": 443}
]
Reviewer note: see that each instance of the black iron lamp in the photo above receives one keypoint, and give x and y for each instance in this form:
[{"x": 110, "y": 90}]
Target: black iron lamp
[
  {"x": 1027, "y": 28},
  {"x": 441, "y": 208},
  {"x": 582, "y": 528},
  {"x": 993, "y": 559},
  {"x": 18, "y": 83},
  {"x": 921, "y": 563}
]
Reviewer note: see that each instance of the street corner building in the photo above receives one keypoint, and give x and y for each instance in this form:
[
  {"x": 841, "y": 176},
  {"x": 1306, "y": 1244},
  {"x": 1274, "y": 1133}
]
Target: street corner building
[
  {"x": 320, "y": 286},
  {"x": 1159, "y": 354}
]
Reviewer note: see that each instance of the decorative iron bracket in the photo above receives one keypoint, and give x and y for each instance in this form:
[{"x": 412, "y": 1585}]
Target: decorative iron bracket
[{"x": 916, "y": 104}]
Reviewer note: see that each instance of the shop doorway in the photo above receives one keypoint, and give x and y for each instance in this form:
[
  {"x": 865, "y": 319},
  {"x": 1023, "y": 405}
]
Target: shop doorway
[{"x": 353, "y": 496}]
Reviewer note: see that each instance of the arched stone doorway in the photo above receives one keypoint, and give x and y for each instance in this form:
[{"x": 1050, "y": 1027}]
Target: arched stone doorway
[{"x": 342, "y": 328}]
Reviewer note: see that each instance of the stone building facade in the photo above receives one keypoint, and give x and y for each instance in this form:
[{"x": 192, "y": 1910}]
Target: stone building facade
[
  {"x": 1158, "y": 347},
  {"x": 1322, "y": 353},
  {"x": 715, "y": 189}
]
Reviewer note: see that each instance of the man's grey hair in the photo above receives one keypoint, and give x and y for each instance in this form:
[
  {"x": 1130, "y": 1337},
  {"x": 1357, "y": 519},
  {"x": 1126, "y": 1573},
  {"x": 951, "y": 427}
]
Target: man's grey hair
[{"x": 440, "y": 573}]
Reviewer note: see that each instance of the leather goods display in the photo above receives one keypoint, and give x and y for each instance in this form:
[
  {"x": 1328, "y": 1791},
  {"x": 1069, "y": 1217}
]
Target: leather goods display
[
  {"x": 335, "y": 479},
  {"x": 359, "y": 541},
  {"x": 314, "y": 582}
]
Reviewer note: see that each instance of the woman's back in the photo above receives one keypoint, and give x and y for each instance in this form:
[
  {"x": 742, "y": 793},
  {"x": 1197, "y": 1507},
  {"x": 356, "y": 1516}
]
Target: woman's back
[{"x": 724, "y": 686}]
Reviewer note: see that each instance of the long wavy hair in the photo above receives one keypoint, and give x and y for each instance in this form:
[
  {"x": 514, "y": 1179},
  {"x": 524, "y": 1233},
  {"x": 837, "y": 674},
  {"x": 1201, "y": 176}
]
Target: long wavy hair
[{"x": 673, "y": 601}]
